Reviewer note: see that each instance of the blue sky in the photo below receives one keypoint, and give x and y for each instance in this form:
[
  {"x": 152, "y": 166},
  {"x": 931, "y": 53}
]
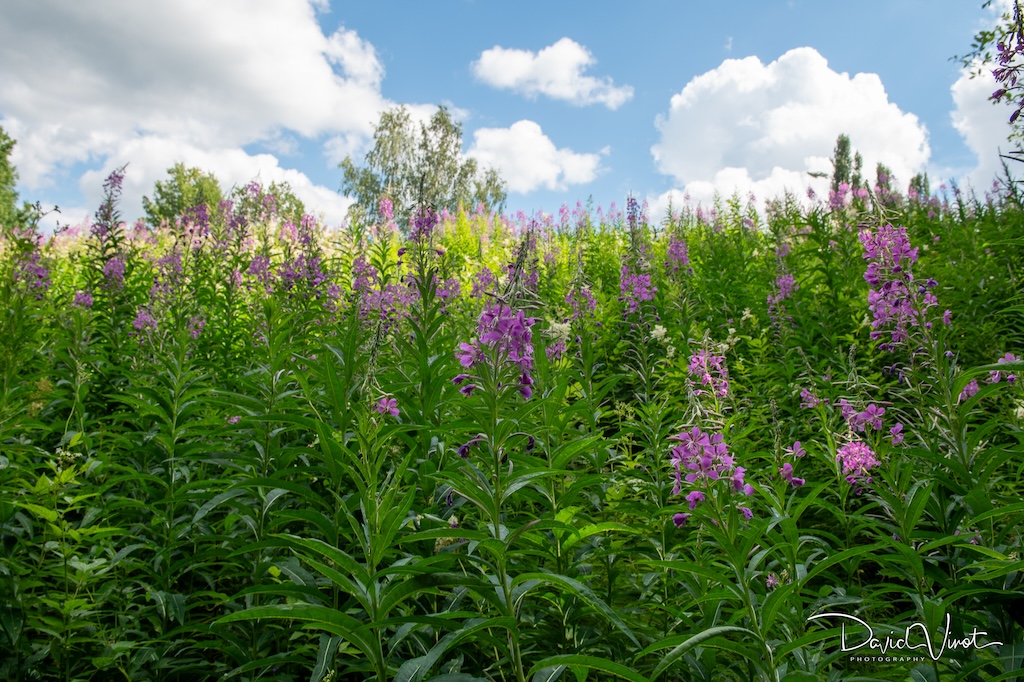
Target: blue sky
[{"x": 570, "y": 100}]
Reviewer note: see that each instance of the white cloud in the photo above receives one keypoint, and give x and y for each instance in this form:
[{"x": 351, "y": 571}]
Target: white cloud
[
  {"x": 746, "y": 126},
  {"x": 527, "y": 159},
  {"x": 556, "y": 71},
  {"x": 148, "y": 84},
  {"x": 984, "y": 126}
]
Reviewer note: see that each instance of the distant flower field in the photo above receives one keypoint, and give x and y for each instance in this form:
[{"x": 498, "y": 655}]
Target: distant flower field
[{"x": 723, "y": 445}]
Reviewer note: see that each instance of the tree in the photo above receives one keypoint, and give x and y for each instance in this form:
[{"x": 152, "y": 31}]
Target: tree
[
  {"x": 841, "y": 163},
  {"x": 10, "y": 216},
  {"x": 920, "y": 186},
  {"x": 883, "y": 178},
  {"x": 258, "y": 203},
  {"x": 416, "y": 167},
  {"x": 857, "y": 179},
  {"x": 185, "y": 188}
]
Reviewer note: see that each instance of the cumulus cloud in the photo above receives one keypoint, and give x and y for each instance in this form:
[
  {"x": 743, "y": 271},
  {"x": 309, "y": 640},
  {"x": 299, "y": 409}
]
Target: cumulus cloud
[
  {"x": 112, "y": 82},
  {"x": 555, "y": 71},
  {"x": 527, "y": 158},
  {"x": 984, "y": 126},
  {"x": 747, "y": 126}
]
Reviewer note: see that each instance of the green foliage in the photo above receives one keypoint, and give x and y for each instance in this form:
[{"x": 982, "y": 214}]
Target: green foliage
[
  {"x": 294, "y": 469},
  {"x": 419, "y": 166},
  {"x": 184, "y": 189},
  {"x": 8, "y": 178},
  {"x": 842, "y": 164}
]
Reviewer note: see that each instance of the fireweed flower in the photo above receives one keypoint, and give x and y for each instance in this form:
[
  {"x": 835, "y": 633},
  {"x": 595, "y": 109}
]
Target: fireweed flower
[
  {"x": 423, "y": 225},
  {"x": 582, "y": 302},
  {"x": 857, "y": 460},
  {"x": 387, "y": 405},
  {"x": 896, "y": 303},
  {"x": 677, "y": 256},
  {"x": 465, "y": 447},
  {"x": 838, "y": 199},
  {"x": 506, "y": 331},
  {"x": 787, "y": 473},
  {"x": 896, "y": 434},
  {"x": 785, "y": 283},
  {"x": 997, "y": 376},
  {"x": 483, "y": 282},
  {"x": 635, "y": 288},
  {"x": 83, "y": 299},
  {"x": 808, "y": 399},
  {"x": 711, "y": 371},
  {"x": 113, "y": 271},
  {"x": 195, "y": 327},
  {"x": 144, "y": 321},
  {"x": 30, "y": 275},
  {"x": 871, "y": 416},
  {"x": 700, "y": 460},
  {"x": 970, "y": 390}
]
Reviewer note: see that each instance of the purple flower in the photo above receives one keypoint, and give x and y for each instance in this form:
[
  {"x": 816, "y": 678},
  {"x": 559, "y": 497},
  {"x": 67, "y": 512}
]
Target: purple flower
[
  {"x": 144, "y": 321},
  {"x": 678, "y": 255},
  {"x": 635, "y": 288},
  {"x": 970, "y": 390},
  {"x": 483, "y": 282},
  {"x": 555, "y": 350},
  {"x": 997, "y": 376},
  {"x": 582, "y": 301},
  {"x": 506, "y": 330},
  {"x": 747, "y": 513},
  {"x": 772, "y": 581},
  {"x": 895, "y": 302},
  {"x": 113, "y": 271},
  {"x": 872, "y": 416},
  {"x": 797, "y": 450},
  {"x": 694, "y": 497},
  {"x": 388, "y": 405},
  {"x": 234, "y": 419},
  {"x": 465, "y": 447},
  {"x": 897, "y": 434},
  {"x": 857, "y": 460},
  {"x": 711, "y": 371},
  {"x": 808, "y": 399},
  {"x": 680, "y": 519},
  {"x": 31, "y": 275},
  {"x": 83, "y": 299},
  {"x": 787, "y": 473},
  {"x": 423, "y": 225},
  {"x": 786, "y": 283}
]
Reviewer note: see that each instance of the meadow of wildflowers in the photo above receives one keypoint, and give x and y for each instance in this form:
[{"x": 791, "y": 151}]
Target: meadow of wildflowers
[{"x": 477, "y": 447}]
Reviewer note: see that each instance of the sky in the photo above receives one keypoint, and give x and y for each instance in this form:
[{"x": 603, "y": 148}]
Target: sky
[{"x": 571, "y": 101}]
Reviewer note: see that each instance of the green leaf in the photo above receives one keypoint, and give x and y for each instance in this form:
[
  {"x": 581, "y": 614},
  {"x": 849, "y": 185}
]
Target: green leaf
[
  {"x": 581, "y": 591},
  {"x": 591, "y": 663},
  {"x": 321, "y": 617},
  {"x": 683, "y": 643}
]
